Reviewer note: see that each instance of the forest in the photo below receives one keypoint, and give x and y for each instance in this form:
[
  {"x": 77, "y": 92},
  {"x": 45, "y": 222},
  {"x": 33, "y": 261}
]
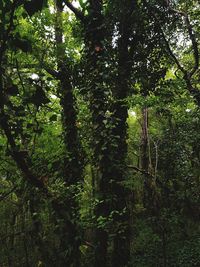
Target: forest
[{"x": 99, "y": 133}]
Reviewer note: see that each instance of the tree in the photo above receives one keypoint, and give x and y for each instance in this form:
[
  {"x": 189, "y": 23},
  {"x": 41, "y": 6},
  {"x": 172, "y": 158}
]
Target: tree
[{"x": 99, "y": 119}]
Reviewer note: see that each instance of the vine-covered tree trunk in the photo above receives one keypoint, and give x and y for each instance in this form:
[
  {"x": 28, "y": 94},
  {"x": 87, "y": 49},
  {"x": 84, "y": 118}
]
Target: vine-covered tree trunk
[
  {"x": 70, "y": 234},
  {"x": 110, "y": 145},
  {"x": 95, "y": 71},
  {"x": 121, "y": 249}
]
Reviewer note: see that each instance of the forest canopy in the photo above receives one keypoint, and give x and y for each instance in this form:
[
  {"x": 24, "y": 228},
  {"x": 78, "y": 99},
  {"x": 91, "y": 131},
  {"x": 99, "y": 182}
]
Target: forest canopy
[{"x": 99, "y": 133}]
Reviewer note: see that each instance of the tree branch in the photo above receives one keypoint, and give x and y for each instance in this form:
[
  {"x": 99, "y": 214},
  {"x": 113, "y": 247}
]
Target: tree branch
[
  {"x": 78, "y": 13},
  {"x": 187, "y": 75},
  {"x": 140, "y": 170},
  {"x": 192, "y": 38},
  {"x": 6, "y": 33},
  {"x": 17, "y": 156},
  {"x": 171, "y": 53},
  {"x": 167, "y": 45},
  {"x": 52, "y": 72},
  {"x": 2, "y": 197}
]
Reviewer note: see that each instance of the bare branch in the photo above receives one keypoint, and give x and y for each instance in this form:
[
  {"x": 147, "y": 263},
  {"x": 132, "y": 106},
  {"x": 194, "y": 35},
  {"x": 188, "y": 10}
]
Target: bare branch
[{"x": 140, "y": 170}]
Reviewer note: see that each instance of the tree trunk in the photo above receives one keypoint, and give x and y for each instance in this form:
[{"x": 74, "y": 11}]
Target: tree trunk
[
  {"x": 95, "y": 71},
  {"x": 145, "y": 141},
  {"x": 121, "y": 248},
  {"x": 110, "y": 145},
  {"x": 70, "y": 233}
]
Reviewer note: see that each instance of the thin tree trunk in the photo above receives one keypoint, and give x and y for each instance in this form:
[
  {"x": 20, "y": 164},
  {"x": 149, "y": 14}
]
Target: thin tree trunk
[{"x": 145, "y": 141}]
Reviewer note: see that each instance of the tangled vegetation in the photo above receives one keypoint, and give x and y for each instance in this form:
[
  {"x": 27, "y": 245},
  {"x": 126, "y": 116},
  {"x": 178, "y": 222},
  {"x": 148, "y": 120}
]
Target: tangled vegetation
[{"x": 99, "y": 133}]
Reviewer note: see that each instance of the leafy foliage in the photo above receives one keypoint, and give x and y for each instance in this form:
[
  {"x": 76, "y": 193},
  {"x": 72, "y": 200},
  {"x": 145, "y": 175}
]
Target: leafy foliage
[{"x": 99, "y": 133}]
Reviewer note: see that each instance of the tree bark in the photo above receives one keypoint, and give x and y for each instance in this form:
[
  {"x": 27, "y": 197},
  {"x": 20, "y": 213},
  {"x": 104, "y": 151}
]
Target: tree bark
[
  {"x": 95, "y": 70},
  {"x": 121, "y": 242},
  {"x": 70, "y": 232}
]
